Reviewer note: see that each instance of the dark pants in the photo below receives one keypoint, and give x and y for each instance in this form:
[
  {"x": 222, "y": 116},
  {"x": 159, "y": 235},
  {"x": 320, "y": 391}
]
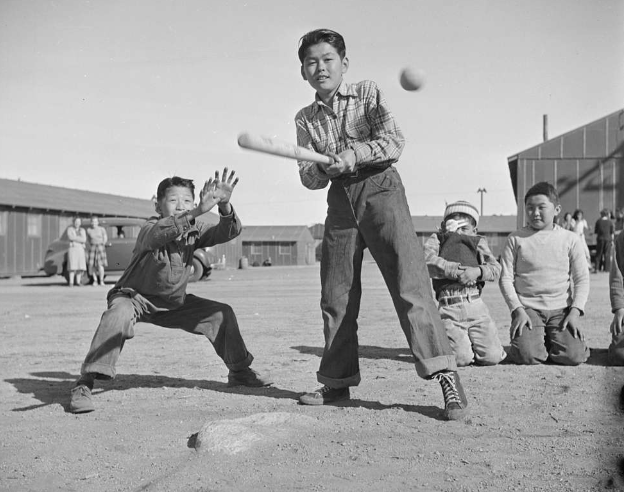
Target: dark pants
[
  {"x": 616, "y": 350},
  {"x": 370, "y": 210},
  {"x": 547, "y": 341},
  {"x": 198, "y": 316},
  {"x": 603, "y": 255}
]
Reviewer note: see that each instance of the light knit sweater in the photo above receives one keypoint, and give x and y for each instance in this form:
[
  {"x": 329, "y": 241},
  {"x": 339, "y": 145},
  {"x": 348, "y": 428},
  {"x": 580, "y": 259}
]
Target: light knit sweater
[{"x": 544, "y": 270}]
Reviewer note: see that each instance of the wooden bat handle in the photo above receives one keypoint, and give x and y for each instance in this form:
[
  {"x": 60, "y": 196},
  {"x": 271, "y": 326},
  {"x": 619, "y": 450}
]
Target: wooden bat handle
[{"x": 283, "y": 149}]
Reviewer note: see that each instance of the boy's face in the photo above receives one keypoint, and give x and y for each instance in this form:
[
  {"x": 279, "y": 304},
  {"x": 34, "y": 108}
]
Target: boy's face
[
  {"x": 177, "y": 199},
  {"x": 541, "y": 212},
  {"x": 463, "y": 223},
  {"x": 323, "y": 69}
]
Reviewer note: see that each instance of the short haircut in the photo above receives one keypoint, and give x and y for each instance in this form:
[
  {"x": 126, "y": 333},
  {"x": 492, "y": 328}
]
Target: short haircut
[
  {"x": 321, "y": 36},
  {"x": 167, "y": 183},
  {"x": 543, "y": 188}
]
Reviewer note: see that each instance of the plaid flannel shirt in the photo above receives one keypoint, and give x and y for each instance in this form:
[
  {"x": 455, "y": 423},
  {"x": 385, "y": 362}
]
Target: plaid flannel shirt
[{"x": 359, "y": 120}]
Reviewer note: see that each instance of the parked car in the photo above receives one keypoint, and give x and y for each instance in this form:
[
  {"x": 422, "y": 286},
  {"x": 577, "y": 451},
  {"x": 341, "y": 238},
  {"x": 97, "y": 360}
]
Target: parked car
[{"x": 122, "y": 234}]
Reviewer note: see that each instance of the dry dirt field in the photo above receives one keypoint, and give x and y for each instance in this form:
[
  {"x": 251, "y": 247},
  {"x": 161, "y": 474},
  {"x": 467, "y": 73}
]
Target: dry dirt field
[{"x": 538, "y": 428}]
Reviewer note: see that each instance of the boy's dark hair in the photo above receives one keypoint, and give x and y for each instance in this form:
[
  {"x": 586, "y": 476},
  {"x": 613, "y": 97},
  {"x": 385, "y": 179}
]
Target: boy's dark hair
[
  {"x": 543, "y": 188},
  {"x": 321, "y": 36},
  {"x": 167, "y": 183}
]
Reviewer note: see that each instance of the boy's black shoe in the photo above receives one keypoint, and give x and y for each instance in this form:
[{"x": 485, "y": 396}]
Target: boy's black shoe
[
  {"x": 455, "y": 401},
  {"x": 80, "y": 401},
  {"x": 248, "y": 377},
  {"x": 325, "y": 395}
]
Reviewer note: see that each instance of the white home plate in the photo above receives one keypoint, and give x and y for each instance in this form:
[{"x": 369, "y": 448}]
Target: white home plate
[{"x": 236, "y": 435}]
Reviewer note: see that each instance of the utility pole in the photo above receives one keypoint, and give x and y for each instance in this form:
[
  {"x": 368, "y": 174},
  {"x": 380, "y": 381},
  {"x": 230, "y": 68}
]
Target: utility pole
[{"x": 481, "y": 190}]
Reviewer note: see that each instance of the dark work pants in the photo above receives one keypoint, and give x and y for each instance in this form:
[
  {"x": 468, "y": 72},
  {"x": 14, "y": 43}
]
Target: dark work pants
[
  {"x": 198, "y": 316},
  {"x": 370, "y": 210}
]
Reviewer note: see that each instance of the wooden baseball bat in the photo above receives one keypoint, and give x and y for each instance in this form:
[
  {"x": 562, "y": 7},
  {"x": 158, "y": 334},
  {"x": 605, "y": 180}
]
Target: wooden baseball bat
[{"x": 283, "y": 149}]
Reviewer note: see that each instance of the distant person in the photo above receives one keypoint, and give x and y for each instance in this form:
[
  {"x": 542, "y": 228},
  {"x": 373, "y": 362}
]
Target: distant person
[
  {"x": 76, "y": 257},
  {"x": 459, "y": 263},
  {"x": 96, "y": 258},
  {"x": 153, "y": 287},
  {"x": 367, "y": 208},
  {"x": 616, "y": 293},
  {"x": 579, "y": 228},
  {"x": 604, "y": 230},
  {"x": 545, "y": 283},
  {"x": 120, "y": 232},
  {"x": 619, "y": 220},
  {"x": 567, "y": 223}
]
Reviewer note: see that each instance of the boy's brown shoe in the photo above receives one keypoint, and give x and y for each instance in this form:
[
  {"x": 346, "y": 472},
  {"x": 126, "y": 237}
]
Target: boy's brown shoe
[
  {"x": 80, "y": 401},
  {"x": 325, "y": 395},
  {"x": 248, "y": 377},
  {"x": 455, "y": 401}
]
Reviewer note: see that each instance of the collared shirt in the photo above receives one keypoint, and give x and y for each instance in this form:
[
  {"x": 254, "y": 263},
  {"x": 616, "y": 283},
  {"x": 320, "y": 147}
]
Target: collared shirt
[
  {"x": 359, "y": 119},
  {"x": 544, "y": 270},
  {"x": 163, "y": 255}
]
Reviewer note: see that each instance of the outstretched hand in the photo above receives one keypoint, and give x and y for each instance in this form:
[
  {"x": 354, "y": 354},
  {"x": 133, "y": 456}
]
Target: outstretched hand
[{"x": 218, "y": 191}]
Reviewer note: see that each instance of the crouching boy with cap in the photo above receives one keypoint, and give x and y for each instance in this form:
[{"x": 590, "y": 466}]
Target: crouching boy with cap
[{"x": 459, "y": 263}]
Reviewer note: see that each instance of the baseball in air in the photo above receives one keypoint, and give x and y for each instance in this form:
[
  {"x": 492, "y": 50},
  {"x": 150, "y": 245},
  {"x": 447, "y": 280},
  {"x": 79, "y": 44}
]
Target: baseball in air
[{"x": 412, "y": 79}]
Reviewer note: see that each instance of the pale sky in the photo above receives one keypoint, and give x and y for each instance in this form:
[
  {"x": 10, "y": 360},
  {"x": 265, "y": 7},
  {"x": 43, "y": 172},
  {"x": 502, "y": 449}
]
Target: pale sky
[{"x": 113, "y": 96}]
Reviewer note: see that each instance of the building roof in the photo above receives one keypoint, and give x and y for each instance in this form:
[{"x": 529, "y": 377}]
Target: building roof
[
  {"x": 487, "y": 223},
  {"x": 276, "y": 233},
  {"x": 20, "y": 194},
  {"x": 597, "y": 139}
]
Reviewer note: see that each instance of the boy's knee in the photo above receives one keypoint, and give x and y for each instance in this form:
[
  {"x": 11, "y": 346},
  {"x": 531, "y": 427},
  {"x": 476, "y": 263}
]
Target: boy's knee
[
  {"x": 464, "y": 358},
  {"x": 573, "y": 354},
  {"x": 525, "y": 356},
  {"x": 616, "y": 354},
  {"x": 491, "y": 357}
]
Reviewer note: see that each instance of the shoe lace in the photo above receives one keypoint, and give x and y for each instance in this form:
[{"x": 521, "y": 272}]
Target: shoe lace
[
  {"x": 324, "y": 389},
  {"x": 449, "y": 389}
]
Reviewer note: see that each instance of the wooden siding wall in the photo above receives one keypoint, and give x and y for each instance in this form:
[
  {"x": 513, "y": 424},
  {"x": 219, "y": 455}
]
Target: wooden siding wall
[{"x": 21, "y": 253}]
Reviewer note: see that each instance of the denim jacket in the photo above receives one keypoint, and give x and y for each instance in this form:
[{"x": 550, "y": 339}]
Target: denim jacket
[{"x": 163, "y": 255}]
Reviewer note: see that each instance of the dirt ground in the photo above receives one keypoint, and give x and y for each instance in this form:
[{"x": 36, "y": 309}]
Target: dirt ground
[{"x": 168, "y": 422}]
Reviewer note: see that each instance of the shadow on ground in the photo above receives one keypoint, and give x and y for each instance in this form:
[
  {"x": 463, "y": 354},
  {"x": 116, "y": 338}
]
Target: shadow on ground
[
  {"x": 367, "y": 352},
  {"x": 54, "y": 387}
]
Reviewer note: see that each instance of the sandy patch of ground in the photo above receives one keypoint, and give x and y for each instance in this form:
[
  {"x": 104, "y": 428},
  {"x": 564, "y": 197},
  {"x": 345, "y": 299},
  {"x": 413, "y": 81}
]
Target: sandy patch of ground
[{"x": 531, "y": 429}]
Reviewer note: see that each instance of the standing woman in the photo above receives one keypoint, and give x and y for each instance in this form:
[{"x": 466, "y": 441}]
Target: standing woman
[
  {"x": 579, "y": 227},
  {"x": 76, "y": 261},
  {"x": 568, "y": 222},
  {"x": 97, "y": 251}
]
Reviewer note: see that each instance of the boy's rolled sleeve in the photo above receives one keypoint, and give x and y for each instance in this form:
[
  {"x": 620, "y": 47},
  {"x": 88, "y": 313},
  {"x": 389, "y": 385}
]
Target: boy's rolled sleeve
[
  {"x": 506, "y": 281},
  {"x": 228, "y": 228},
  {"x": 490, "y": 268}
]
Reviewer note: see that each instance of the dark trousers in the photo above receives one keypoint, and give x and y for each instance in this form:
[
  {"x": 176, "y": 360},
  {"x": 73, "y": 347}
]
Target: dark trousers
[
  {"x": 603, "y": 254},
  {"x": 547, "y": 341},
  {"x": 370, "y": 210},
  {"x": 214, "y": 320}
]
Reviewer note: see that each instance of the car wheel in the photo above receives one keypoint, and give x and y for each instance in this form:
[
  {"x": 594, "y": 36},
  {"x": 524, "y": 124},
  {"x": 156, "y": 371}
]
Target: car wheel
[{"x": 197, "y": 270}]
